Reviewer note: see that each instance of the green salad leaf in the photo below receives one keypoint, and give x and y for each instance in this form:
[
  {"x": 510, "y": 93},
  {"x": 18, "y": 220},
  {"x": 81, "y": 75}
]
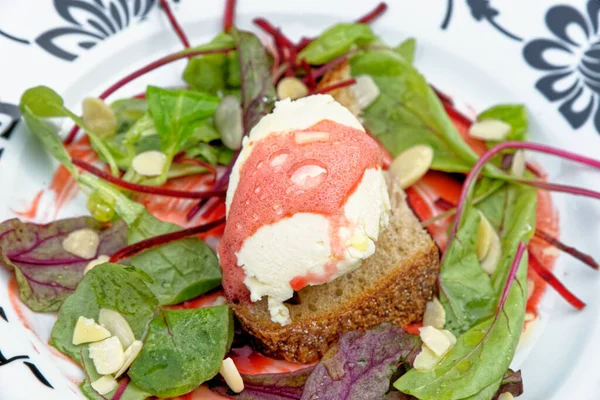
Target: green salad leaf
[
  {"x": 48, "y": 138},
  {"x": 408, "y": 112},
  {"x": 467, "y": 293},
  {"x": 180, "y": 270},
  {"x": 111, "y": 286},
  {"x": 474, "y": 368},
  {"x": 407, "y": 49},
  {"x": 513, "y": 114},
  {"x": 183, "y": 349},
  {"x": 336, "y": 41},
  {"x": 176, "y": 114},
  {"x": 128, "y": 111},
  {"x": 258, "y": 94},
  {"x": 44, "y": 102}
]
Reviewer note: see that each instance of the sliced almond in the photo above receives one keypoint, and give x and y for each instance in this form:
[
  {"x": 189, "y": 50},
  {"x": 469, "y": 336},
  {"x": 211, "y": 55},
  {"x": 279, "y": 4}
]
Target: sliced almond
[
  {"x": 435, "y": 339},
  {"x": 426, "y": 360},
  {"x": 490, "y": 262},
  {"x": 365, "y": 90},
  {"x": 232, "y": 376},
  {"x": 484, "y": 236},
  {"x": 108, "y": 355},
  {"x": 117, "y": 325},
  {"x": 435, "y": 314},
  {"x": 105, "y": 384},
  {"x": 410, "y": 165},
  {"x": 518, "y": 165},
  {"x": 291, "y": 88},
  {"x": 490, "y": 130},
  {"x": 149, "y": 163},
  {"x": 451, "y": 338},
  {"x": 88, "y": 331},
  {"x": 82, "y": 243},
  {"x": 506, "y": 396},
  {"x": 98, "y": 117},
  {"x": 228, "y": 121},
  {"x": 309, "y": 137},
  {"x": 100, "y": 260},
  {"x": 130, "y": 355}
]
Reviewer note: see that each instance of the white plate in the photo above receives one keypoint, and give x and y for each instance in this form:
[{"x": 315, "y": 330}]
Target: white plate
[{"x": 481, "y": 53}]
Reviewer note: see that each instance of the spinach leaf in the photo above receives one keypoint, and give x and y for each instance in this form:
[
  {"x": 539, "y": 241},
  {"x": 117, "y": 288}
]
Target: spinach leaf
[
  {"x": 466, "y": 290},
  {"x": 408, "y": 112},
  {"x": 213, "y": 73},
  {"x": 258, "y": 92},
  {"x": 180, "y": 270},
  {"x": 128, "y": 111},
  {"x": 336, "y": 41},
  {"x": 483, "y": 353},
  {"x": 45, "y": 272},
  {"x": 110, "y": 286},
  {"x": 407, "y": 49},
  {"x": 176, "y": 114},
  {"x": 183, "y": 349},
  {"x": 44, "y": 102},
  {"x": 481, "y": 356},
  {"x": 513, "y": 114},
  {"x": 48, "y": 138}
]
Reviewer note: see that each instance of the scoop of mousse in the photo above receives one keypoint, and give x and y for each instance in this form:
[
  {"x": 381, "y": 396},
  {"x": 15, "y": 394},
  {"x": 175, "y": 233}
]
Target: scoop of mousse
[{"x": 306, "y": 201}]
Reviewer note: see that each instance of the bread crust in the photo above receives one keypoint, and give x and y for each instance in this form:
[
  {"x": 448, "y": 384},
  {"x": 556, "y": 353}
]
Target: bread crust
[{"x": 400, "y": 299}]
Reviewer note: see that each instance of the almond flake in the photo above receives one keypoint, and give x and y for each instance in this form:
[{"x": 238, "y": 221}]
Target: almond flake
[
  {"x": 410, "y": 165},
  {"x": 149, "y": 163},
  {"x": 490, "y": 130},
  {"x": 82, "y": 243},
  {"x": 291, "y": 88},
  {"x": 435, "y": 314}
]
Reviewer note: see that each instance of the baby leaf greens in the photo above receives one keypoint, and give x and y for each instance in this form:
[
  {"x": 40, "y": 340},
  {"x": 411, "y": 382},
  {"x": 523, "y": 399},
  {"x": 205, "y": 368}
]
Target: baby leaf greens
[
  {"x": 113, "y": 286},
  {"x": 258, "y": 91},
  {"x": 180, "y": 270},
  {"x": 475, "y": 368},
  {"x": 335, "y": 42},
  {"x": 45, "y": 272},
  {"x": 183, "y": 349},
  {"x": 176, "y": 114},
  {"x": 407, "y": 49},
  {"x": 408, "y": 112}
]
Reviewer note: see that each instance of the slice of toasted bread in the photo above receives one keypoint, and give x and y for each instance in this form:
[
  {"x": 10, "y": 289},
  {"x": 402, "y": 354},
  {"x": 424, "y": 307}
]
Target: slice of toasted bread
[{"x": 392, "y": 285}]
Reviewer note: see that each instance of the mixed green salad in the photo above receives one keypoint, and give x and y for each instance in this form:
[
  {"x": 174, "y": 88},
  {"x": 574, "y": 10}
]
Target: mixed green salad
[{"x": 113, "y": 298}]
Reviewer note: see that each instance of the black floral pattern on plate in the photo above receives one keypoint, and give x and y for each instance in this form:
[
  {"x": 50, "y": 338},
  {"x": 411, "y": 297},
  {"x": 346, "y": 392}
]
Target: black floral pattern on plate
[
  {"x": 89, "y": 22},
  {"x": 32, "y": 367},
  {"x": 481, "y": 10},
  {"x": 571, "y": 62},
  {"x": 7, "y": 127}
]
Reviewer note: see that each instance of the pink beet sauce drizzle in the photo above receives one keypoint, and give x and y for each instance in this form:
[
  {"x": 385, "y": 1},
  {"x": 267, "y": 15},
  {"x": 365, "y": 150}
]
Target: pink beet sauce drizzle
[{"x": 273, "y": 186}]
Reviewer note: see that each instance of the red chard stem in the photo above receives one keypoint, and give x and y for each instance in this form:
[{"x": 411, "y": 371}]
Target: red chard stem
[
  {"x": 581, "y": 256},
  {"x": 555, "y": 283},
  {"x": 373, "y": 15},
  {"x": 336, "y": 86},
  {"x": 180, "y": 33},
  {"x": 121, "y": 388},
  {"x": 184, "y": 194},
  {"x": 229, "y": 15},
  {"x": 143, "y": 245}
]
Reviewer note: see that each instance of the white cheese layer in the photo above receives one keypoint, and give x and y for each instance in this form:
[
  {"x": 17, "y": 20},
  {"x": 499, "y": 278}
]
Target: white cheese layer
[{"x": 301, "y": 245}]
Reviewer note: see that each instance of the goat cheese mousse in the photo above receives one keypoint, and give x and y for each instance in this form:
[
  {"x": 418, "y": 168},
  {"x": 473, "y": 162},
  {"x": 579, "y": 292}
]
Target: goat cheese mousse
[{"x": 306, "y": 201}]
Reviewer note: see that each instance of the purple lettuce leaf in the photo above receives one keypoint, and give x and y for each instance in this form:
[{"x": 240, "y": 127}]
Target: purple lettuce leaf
[
  {"x": 282, "y": 386},
  {"x": 361, "y": 365},
  {"x": 45, "y": 272}
]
